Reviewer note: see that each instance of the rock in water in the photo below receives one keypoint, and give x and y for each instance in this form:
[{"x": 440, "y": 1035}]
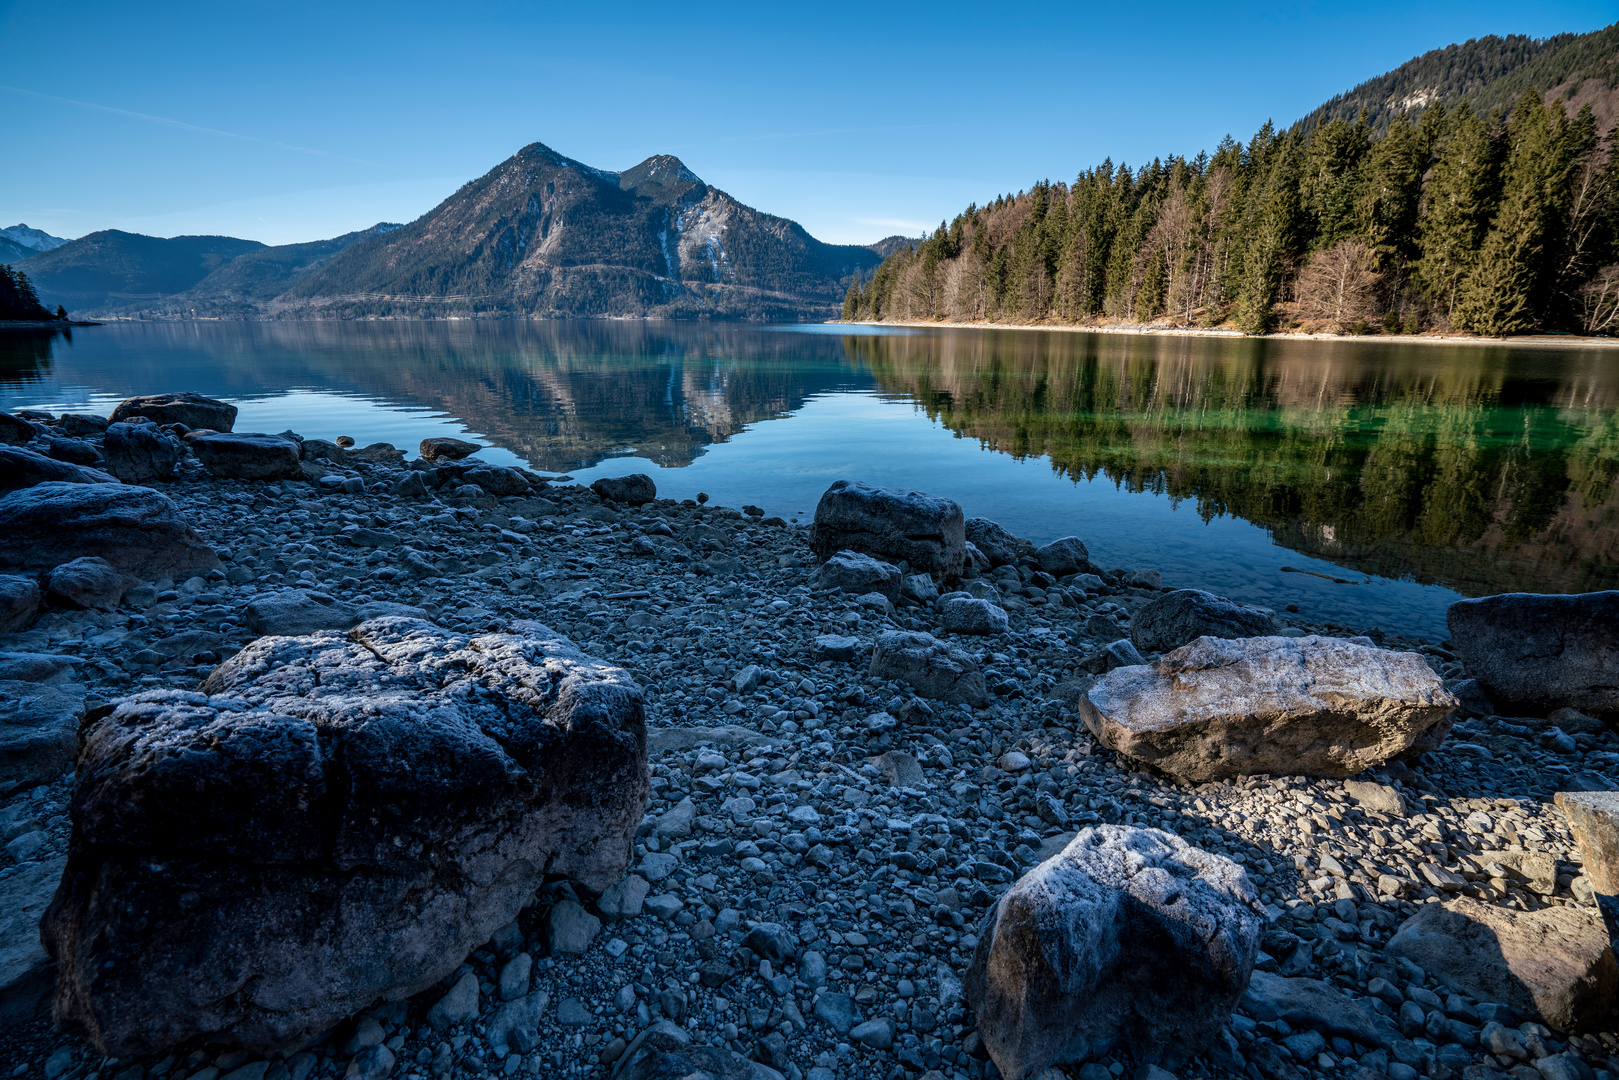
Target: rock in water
[
  {"x": 999, "y": 546},
  {"x": 932, "y": 668},
  {"x": 892, "y": 524},
  {"x": 135, "y": 529},
  {"x": 636, "y": 489},
  {"x": 444, "y": 448},
  {"x": 246, "y": 456},
  {"x": 857, "y": 574},
  {"x": 1538, "y": 652},
  {"x": 1555, "y": 964},
  {"x": 141, "y": 453},
  {"x": 333, "y": 820},
  {"x": 20, "y": 468},
  {"x": 1312, "y": 706},
  {"x": 192, "y": 410},
  {"x": 1184, "y": 615},
  {"x": 1130, "y": 939}
]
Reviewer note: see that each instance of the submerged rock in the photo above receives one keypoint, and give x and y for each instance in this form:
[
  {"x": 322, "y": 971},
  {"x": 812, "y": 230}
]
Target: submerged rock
[
  {"x": 135, "y": 529},
  {"x": 1541, "y": 652},
  {"x": 192, "y": 410},
  {"x": 1130, "y": 939},
  {"x": 1312, "y": 706},
  {"x": 1184, "y": 615},
  {"x": 893, "y": 524},
  {"x": 332, "y": 820}
]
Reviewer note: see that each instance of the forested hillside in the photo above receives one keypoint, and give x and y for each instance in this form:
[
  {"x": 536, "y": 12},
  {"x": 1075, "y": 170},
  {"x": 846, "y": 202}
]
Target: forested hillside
[{"x": 1456, "y": 220}]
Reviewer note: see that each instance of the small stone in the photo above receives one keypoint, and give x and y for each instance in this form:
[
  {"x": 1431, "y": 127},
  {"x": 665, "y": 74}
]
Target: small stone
[
  {"x": 514, "y": 976},
  {"x": 877, "y": 1034},
  {"x": 456, "y": 1007},
  {"x": 836, "y": 1011},
  {"x": 570, "y": 929}
]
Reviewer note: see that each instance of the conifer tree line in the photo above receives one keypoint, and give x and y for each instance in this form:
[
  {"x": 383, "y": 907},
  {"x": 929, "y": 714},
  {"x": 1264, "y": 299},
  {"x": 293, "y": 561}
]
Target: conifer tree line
[
  {"x": 19, "y": 301},
  {"x": 1454, "y": 221}
]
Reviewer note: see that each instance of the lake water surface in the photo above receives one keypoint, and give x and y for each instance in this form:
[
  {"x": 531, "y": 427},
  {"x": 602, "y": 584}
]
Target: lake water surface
[{"x": 1402, "y": 476}]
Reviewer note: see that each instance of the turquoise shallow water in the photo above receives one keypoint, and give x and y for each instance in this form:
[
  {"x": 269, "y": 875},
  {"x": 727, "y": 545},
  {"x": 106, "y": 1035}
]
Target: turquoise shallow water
[{"x": 1411, "y": 474}]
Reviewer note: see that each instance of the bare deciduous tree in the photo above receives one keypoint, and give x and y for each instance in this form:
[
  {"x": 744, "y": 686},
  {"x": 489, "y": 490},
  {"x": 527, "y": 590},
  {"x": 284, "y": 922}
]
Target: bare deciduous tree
[
  {"x": 1599, "y": 301},
  {"x": 1339, "y": 285}
]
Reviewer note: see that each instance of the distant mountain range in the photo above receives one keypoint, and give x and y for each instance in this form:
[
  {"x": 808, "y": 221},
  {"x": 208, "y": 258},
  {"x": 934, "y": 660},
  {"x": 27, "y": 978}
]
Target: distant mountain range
[
  {"x": 540, "y": 235},
  {"x": 19, "y": 242}
]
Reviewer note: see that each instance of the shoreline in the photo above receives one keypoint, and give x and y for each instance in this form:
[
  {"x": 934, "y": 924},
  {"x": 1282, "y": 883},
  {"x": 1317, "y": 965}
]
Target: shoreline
[
  {"x": 1150, "y": 330},
  {"x": 792, "y": 787}
]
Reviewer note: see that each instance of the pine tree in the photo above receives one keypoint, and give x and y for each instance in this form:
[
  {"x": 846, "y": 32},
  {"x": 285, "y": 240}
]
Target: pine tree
[
  {"x": 1507, "y": 292},
  {"x": 1456, "y": 208},
  {"x": 1276, "y": 216},
  {"x": 1386, "y": 215}
]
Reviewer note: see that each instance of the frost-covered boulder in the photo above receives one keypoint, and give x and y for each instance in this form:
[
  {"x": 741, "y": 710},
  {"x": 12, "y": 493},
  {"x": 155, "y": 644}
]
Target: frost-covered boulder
[
  {"x": 141, "y": 453},
  {"x": 970, "y": 615},
  {"x": 998, "y": 545},
  {"x": 1128, "y": 940},
  {"x": 893, "y": 524},
  {"x": 1312, "y": 706},
  {"x": 1063, "y": 556},
  {"x": 21, "y": 468},
  {"x": 636, "y": 489},
  {"x": 248, "y": 455},
  {"x": 331, "y": 820}
]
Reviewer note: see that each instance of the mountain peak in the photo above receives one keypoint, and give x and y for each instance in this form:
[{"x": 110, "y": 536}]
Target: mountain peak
[
  {"x": 33, "y": 239},
  {"x": 663, "y": 176}
]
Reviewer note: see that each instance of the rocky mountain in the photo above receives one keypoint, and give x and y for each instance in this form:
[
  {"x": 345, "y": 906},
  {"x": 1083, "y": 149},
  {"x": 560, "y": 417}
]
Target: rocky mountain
[
  {"x": 540, "y": 235},
  {"x": 1490, "y": 73},
  {"x": 31, "y": 239},
  {"x": 544, "y": 235}
]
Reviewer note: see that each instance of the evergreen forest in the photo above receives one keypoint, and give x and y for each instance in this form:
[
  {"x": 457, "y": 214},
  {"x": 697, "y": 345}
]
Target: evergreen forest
[
  {"x": 19, "y": 302},
  {"x": 1456, "y": 220}
]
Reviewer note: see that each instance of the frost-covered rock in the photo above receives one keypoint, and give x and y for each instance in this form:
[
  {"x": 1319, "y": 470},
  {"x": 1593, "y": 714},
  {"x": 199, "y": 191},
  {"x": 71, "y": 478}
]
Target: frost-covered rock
[
  {"x": 192, "y": 410},
  {"x": 1129, "y": 939},
  {"x": 636, "y": 489},
  {"x": 333, "y": 819},
  {"x": 1184, "y": 615},
  {"x": 248, "y": 456},
  {"x": 22, "y": 468},
  {"x": 857, "y": 574},
  {"x": 1313, "y": 706},
  {"x": 996, "y": 544},
  {"x": 135, "y": 529},
  {"x": 932, "y": 668},
  {"x": 969, "y": 615}
]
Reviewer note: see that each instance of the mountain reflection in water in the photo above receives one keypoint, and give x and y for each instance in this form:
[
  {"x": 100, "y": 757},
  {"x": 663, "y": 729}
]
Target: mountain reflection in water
[{"x": 1482, "y": 468}]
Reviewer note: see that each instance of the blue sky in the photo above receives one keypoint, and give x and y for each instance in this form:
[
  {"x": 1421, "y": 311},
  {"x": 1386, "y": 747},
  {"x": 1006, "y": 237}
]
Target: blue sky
[{"x": 297, "y": 121}]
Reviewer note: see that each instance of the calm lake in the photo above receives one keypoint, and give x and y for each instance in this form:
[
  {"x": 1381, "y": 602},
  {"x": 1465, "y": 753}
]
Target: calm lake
[{"x": 1402, "y": 476}]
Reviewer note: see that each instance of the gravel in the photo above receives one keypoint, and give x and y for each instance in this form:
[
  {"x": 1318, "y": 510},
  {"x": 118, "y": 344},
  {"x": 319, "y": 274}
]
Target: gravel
[{"x": 820, "y": 846}]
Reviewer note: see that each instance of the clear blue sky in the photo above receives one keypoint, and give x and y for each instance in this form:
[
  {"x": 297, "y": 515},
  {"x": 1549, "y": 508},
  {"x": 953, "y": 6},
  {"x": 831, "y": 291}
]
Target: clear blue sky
[{"x": 295, "y": 121}]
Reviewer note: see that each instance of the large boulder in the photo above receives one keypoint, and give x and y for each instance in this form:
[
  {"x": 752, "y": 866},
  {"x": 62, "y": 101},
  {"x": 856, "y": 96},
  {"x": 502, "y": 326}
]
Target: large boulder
[
  {"x": 141, "y": 453},
  {"x": 135, "y": 529},
  {"x": 19, "y": 602},
  {"x": 244, "y": 456},
  {"x": 1128, "y": 940},
  {"x": 1311, "y": 706},
  {"x": 192, "y": 410},
  {"x": 1184, "y": 615},
  {"x": 893, "y": 524},
  {"x": 1554, "y": 965},
  {"x": 858, "y": 574},
  {"x": 331, "y": 820},
  {"x": 20, "y": 468},
  {"x": 1535, "y": 652},
  {"x": 89, "y": 582},
  {"x": 39, "y": 732},
  {"x": 1000, "y": 547},
  {"x": 930, "y": 667},
  {"x": 636, "y": 489}
]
